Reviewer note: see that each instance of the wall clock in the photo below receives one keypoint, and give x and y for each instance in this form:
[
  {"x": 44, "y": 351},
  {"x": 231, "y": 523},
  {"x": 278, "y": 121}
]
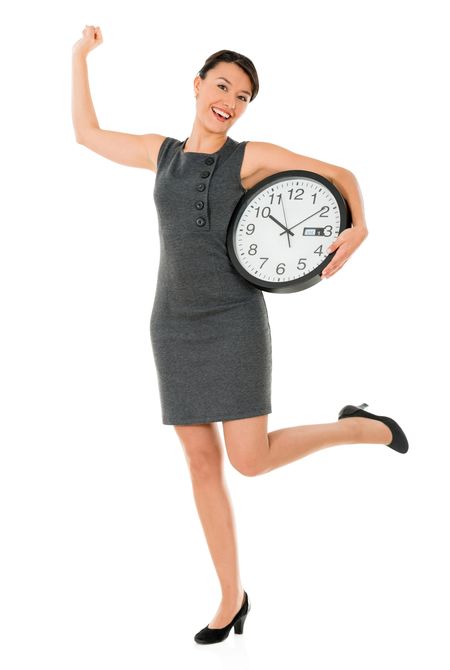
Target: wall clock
[{"x": 281, "y": 228}]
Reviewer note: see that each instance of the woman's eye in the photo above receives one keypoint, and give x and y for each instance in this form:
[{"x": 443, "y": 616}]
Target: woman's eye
[{"x": 241, "y": 96}]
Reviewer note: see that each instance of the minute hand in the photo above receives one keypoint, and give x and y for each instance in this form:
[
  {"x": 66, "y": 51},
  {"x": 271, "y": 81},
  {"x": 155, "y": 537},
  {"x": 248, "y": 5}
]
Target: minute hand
[{"x": 303, "y": 221}]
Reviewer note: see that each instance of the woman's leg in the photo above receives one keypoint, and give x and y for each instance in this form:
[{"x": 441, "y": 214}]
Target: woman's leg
[
  {"x": 204, "y": 455},
  {"x": 254, "y": 451}
]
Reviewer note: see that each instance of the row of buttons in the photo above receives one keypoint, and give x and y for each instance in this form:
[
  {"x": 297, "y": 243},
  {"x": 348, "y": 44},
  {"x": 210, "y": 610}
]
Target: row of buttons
[{"x": 201, "y": 221}]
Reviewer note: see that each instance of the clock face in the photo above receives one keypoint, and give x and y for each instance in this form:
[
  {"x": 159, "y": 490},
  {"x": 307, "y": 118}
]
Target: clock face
[{"x": 280, "y": 234}]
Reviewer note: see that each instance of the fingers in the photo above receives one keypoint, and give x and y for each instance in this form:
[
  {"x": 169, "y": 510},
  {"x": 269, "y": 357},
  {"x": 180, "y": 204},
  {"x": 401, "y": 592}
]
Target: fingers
[
  {"x": 344, "y": 245},
  {"x": 92, "y": 35},
  {"x": 332, "y": 268},
  {"x": 332, "y": 247},
  {"x": 338, "y": 261},
  {"x": 95, "y": 29}
]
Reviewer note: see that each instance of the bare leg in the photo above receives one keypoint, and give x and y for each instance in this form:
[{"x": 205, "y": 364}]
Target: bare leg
[
  {"x": 254, "y": 451},
  {"x": 203, "y": 451},
  {"x": 289, "y": 444}
]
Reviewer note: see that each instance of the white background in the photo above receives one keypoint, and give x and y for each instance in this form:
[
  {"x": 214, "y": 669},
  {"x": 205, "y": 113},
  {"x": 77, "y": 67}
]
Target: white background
[{"x": 343, "y": 553}]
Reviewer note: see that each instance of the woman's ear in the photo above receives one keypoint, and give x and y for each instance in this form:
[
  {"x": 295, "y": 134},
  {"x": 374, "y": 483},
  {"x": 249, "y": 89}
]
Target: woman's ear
[{"x": 196, "y": 85}]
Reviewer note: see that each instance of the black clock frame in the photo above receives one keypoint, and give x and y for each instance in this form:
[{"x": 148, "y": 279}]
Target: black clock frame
[{"x": 312, "y": 277}]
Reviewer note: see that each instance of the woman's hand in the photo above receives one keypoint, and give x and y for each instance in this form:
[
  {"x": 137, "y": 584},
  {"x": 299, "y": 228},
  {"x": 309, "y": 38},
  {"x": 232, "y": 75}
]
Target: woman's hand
[
  {"x": 345, "y": 244},
  {"x": 92, "y": 37}
]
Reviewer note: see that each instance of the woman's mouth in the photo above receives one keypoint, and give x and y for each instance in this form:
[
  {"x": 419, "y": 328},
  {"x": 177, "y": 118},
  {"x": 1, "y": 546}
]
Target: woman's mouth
[{"x": 219, "y": 117}]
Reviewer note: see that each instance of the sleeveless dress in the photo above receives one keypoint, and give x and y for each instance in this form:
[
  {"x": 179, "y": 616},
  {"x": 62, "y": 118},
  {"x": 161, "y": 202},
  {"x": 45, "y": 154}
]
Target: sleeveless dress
[{"x": 209, "y": 326}]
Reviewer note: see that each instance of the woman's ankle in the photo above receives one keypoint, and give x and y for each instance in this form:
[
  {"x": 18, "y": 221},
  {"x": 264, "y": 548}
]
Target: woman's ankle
[{"x": 233, "y": 596}]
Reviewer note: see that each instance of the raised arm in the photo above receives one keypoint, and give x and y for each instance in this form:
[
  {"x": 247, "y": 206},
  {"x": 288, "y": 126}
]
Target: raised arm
[{"x": 125, "y": 148}]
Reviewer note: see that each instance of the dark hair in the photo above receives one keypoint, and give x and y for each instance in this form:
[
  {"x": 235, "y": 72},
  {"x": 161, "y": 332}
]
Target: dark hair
[{"x": 233, "y": 57}]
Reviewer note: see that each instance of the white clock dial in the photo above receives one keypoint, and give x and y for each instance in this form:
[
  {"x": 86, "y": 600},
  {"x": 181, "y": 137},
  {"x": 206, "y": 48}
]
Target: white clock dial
[{"x": 285, "y": 230}]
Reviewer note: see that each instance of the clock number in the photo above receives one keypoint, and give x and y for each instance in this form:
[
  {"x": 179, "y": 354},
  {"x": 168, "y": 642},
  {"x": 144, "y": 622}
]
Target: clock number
[
  {"x": 251, "y": 227},
  {"x": 327, "y": 231},
  {"x": 297, "y": 197},
  {"x": 319, "y": 250},
  {"x": 252, "y": 249},
  {"x": 265, "y": 212},
  {"x": 301, "y": 261},
  {"x": 275, "y": 195},
  {"x": 280, "y": 272},
  {"x": 265, "y": 259},
  {"x": 324, "y": 211}
]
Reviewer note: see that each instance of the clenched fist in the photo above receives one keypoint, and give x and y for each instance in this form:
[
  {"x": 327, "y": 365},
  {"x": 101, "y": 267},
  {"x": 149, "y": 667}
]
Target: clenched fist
[{"x": 92, "y": 37}]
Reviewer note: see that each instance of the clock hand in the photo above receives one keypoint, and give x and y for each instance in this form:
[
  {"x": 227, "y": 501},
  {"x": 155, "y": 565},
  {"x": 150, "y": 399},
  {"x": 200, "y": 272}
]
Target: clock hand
[
  {"x": 285, "y": 221},
  {"x": 285, "y": 228},
  {"x": 303, "y": 221}
]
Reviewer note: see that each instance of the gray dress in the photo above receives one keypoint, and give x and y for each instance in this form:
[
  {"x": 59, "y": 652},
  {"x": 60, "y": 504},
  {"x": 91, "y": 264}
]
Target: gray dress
[{"x": 209, "y": 326}]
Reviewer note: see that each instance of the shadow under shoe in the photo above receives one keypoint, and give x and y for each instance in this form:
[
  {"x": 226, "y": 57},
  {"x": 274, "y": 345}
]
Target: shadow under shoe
[
  {"x": 399, "y": 441},
  {"x": 211, "y": 635}
]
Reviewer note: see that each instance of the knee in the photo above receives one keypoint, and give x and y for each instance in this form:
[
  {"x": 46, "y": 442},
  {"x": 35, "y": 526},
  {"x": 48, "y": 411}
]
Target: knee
[
  {"x": 247, "y": 445},
  {"x": 245, "y": 464},
  {"x": 203, "y": 466}
]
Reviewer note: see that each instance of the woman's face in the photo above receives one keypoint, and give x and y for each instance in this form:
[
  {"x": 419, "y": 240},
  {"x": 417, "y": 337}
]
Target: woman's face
[{"x": 226, "y": 87}]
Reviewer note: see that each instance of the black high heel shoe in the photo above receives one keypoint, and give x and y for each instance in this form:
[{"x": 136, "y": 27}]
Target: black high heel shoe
[
  {"x": 398, "y": 443},
  {"x": 211, "y": 635}
]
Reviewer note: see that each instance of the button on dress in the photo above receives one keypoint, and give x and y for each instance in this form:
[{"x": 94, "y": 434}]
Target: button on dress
[{"x": 209, "y": 326}]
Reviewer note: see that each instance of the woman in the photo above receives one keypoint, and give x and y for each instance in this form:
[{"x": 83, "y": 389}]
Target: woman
[{"x": 210, "y": 367}]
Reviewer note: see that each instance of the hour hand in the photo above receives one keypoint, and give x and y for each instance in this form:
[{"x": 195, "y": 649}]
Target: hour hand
[{"x": 285, "y": 228}]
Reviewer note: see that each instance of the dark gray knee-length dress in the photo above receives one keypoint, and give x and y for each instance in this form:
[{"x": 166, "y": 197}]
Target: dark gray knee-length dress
[{"x": 209, "y": 326}]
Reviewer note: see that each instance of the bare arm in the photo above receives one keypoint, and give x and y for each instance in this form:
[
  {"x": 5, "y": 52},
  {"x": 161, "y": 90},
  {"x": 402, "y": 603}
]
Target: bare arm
[
  {"x": 125, "y": 148},
  {"x": 266, "y": 158}
]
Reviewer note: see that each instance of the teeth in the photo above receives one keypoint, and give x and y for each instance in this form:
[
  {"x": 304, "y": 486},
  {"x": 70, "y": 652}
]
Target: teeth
[{"x": 226, "y": 116}]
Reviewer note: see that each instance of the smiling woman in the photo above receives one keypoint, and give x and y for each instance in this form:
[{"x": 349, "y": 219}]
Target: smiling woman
[
  {"x": 223, "y": 88},
  {"x": 209, "y": 327}
]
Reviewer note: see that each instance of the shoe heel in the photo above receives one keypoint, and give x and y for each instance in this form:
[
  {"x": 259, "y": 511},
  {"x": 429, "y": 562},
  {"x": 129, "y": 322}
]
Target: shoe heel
[
  {"x": 239, "y": 625},
  {"x": 348, "y": 410}
]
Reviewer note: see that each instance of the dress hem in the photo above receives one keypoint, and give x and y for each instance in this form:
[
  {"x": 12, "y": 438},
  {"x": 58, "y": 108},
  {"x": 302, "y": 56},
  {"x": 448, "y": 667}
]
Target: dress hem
[{"x": 230, "y": 417}]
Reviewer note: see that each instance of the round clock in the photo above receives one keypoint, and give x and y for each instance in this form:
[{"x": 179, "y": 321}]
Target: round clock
[{"x": 281, "y": 228}]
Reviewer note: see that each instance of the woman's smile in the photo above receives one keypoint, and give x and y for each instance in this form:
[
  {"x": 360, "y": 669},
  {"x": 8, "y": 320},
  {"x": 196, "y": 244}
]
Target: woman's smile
[{"x": 219, "y": 117}]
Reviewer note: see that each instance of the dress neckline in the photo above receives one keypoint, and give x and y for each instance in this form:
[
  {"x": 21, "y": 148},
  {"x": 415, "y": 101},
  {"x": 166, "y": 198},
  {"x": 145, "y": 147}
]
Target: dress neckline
[{"x": 202, "y": 153}]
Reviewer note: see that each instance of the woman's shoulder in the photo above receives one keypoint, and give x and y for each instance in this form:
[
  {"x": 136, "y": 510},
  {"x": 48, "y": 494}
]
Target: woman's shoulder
[
  {"x": 159, "y": 146},
  {"x": 252, "y": 163}
]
